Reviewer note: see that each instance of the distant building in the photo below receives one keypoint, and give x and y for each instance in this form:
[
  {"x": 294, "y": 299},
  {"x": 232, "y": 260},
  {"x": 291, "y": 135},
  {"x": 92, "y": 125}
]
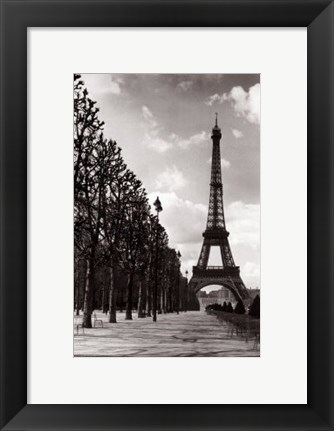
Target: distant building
[
  {"x": 225, "y": 294},
  {"x": 215, "y": 297}
]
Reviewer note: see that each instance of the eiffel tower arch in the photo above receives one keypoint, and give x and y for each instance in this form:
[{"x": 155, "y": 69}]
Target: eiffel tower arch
[{"x": 215, "y": 234}]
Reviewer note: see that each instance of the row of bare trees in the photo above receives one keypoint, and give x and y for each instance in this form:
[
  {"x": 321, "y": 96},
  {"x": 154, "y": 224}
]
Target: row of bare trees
[{"x": 115, "y": 233}]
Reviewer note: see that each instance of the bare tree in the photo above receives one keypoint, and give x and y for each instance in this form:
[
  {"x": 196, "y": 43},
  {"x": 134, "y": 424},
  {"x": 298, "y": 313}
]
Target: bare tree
[
  {"x": 114, "y": 203},
  {"x": 136, "y": 233},
  {"x": 113, "y": 227}
]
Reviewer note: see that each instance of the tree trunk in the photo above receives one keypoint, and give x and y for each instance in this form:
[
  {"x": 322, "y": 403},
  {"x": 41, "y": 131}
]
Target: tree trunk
[
  {"x": 88, "y": 303},
  {"x": 103, "y": 298},
  {"x": 128, "y": 314},
  {"x": 105, "y": 293},
  {"x": 83, "y": 283},
  {"x": 160, "y": 298},
  {"x": 165, "y": 299},
  {"x": 112, "y": 296},
  {"x": 170, "y": 297},
  {"x": 77, "y": 283},
  {"x": 141, "y": 299},
  {"x": 178, "y": 294},
  {"x": 148, "y": 298},
  {"x": 163, "y": 296},
  {"x": 78, "y": 299}
]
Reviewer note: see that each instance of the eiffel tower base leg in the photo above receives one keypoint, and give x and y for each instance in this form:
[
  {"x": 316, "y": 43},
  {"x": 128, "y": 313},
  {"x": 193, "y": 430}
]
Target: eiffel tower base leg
[{"x": 226, "y": 277}]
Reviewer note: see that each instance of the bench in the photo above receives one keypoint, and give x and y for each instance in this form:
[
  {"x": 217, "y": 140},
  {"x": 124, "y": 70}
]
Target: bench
[
  {"x": 78, "y": 324},
  {"x": 96, "y": 320}
]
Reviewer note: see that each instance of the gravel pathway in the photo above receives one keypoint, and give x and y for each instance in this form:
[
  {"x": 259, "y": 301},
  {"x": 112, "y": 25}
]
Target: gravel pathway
[{"x": 193, "y": 333}]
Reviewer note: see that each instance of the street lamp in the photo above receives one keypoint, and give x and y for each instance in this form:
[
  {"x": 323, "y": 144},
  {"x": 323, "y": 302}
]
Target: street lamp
[
  {"x": 178, "y": 283},
  {"x": 158, "y": 208}
]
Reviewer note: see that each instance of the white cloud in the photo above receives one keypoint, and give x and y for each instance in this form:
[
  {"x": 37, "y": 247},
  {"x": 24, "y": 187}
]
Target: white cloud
[
  {"x": 156, "y": 142},
  {"x": 237, "y": 133},
  {"x": 171, "y": 179},
  {"x": 251, "y": 270},
  {"x": 147, "y": 114},
  {"x": 243, "y": 221},
  {"x": 224, "y": 163},
  {"x": 215, "y": 98},
  {"x": 184, "y": 85},
  {"x": 245, "y": 104},
  {"x": 150, "y": 123},
  {"x": 152, "y": 131},
  {"x": 103, "y": 83},
  {"x": 184, "y": 221},
  {"x": 114, "y": 86},
  {"x": 197, "y": 139}
]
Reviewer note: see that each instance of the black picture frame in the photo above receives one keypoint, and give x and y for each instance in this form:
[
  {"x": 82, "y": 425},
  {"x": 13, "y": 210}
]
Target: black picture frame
[{"x": 16, "y": 17}]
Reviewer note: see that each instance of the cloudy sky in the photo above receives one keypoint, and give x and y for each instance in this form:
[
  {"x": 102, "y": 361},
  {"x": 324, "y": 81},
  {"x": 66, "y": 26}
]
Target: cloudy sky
[{"x": 163, "y": 125}]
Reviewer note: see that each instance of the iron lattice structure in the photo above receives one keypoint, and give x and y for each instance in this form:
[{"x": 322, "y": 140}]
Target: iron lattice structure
[{"x": 215, "y": 234}]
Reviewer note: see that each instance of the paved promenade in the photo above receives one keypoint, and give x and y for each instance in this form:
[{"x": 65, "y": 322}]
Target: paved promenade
[{"x": 193, "y": 333}]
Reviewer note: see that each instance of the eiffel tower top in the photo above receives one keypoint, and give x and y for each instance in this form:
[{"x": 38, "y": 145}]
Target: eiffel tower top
[{"x": 216, "y": 130}]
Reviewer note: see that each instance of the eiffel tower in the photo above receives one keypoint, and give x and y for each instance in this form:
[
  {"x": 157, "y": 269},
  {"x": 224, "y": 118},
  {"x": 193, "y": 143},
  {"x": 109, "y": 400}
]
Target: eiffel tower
[{"x": 215, "y": 234}]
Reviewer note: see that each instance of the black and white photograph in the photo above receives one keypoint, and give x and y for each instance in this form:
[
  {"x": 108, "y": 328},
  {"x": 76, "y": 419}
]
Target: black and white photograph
[{"x": 166, "y": 215}]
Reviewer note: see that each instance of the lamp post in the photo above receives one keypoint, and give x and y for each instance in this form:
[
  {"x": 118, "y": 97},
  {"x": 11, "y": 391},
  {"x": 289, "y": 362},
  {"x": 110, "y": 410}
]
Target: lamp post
[
  {"x": 158, "y": 208},
  {"x": 178, "y": 284}
]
